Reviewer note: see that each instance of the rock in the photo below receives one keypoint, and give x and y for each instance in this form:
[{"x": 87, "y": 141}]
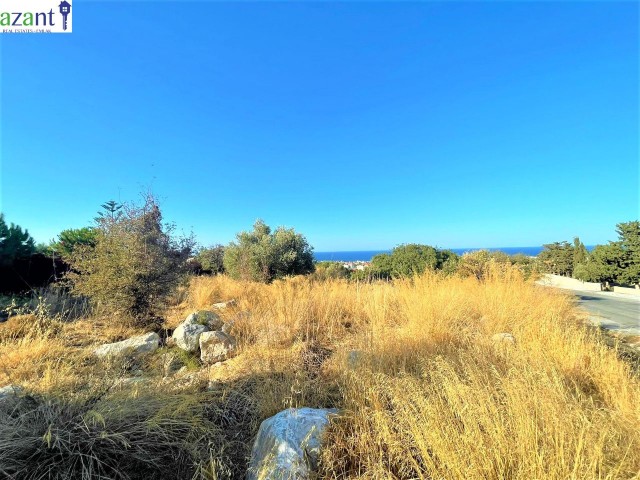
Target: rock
[
  {"x": 216, "y": 347},
  {"x": 170, "y": 364},
  {"x": 205, "y": 317},
  {"x": 288, "y": 444},
  {"x": 226, "y": 328},
  {"x": 141, "y": 344},
  {"x": 187, "y": 335},
  {"x": 223, "y": 305},
  {"x": 10, "y": 392},
  {"x": 503, "y": 337}
]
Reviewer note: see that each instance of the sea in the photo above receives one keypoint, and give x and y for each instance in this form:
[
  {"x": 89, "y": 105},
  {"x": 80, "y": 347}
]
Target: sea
[{"x": 367, "y": 255}]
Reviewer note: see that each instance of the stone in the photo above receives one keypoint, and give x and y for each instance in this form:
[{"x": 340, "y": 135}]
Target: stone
[
  {"x": 9, "y": 392},
  {"x": 503, "y": 338},
  {"x": 170, "y": 364},
  {"x": 223, "y": 305},
  {"x": 288, "y": 444},
  {"x": 146, "y": 343},
  {"x": 216, "y": 347},
  {"x": 187, "y": 336},
  {"x": 205, "y": 317},
  {"x": 226, "y": 328}
]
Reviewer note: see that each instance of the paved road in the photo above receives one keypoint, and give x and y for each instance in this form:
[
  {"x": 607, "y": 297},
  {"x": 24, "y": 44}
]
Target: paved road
[{"x": 611, "y": 311}]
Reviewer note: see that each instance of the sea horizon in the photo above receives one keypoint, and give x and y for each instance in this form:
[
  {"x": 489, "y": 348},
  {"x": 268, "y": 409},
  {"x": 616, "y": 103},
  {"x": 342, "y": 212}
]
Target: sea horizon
[{"x": 367, "y": 255}]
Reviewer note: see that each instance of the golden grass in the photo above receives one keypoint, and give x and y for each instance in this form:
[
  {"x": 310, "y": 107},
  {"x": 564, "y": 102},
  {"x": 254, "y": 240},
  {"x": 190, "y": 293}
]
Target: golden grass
[
  {"x": 430, "y": 394},
  {"x": 424, "y": 391}
]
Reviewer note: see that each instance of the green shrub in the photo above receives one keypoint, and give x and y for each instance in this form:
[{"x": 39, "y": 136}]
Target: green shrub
[
  {"x": 134, "y": 266},
  {"x": 211, "y": 259},
  {"x": 263, "y": 256}
]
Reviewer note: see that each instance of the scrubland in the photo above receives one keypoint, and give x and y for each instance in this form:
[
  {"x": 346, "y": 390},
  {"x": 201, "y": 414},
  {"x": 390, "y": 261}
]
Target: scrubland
[{"x": 424, "y": 390}]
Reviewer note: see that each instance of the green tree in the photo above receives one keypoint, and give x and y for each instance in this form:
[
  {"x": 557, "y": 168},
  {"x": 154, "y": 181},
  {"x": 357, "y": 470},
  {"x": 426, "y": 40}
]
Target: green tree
[
  {"x": 134, "y": 266},
  {"x": 557, "y": 258},
  {"x": 602, "y": 264},
  {"x": 629, "y": 240},
  {"x": 261, "y": 255},
  {"x": 580, "y": 253},
  {"x": 212, "y": 259},
  {"x": 15, "y": 243},
  {"x": 70, "y": 239},
  {"x": 330, "y": 270},
  {"x": 412, "y": 259}
]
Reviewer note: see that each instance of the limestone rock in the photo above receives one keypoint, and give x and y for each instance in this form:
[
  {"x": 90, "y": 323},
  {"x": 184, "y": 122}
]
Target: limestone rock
[
  {"x": 10, "y": 392},
  {"x": 141, "y": 344},
  {"x": 223, "y": 305},
  {"x": 216, "y": 347},
  {"x": 187, "y": 335},
  {"x": 503, "y": 338},
  {"x": 205, "y": 317},
  {"x": 288, "y": 444}
]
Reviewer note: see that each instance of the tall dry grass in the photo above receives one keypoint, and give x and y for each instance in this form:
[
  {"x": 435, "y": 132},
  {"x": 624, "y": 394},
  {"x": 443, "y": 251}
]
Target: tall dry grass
[{"x": 425, "y": 390}]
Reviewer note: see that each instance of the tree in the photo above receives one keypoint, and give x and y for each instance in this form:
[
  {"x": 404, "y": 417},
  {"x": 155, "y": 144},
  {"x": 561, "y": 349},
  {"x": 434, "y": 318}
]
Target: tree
[
  {"x": 70, "y": 239},
  {"x": 557, "y": 258},
  {"x": 629, "y": 240},
  {"x": 412, "y": 259},
  {"x": 15, "y": 243},
  {"x": 602, "y": 265},
  {"x": 134, "y": 266},
  {"x": 211, "y": 259},
  {"x": 580, "y": 253},
  {"x": 261, "y": 255}
]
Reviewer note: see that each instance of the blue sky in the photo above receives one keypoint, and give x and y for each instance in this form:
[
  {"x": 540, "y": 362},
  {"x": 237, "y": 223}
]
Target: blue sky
[{"x": 362, "y": 125}]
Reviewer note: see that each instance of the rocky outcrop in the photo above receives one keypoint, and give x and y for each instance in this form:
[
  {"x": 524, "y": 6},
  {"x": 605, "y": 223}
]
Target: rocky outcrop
[
  {"x": 223, "y": 305},
  {"x": 146, "y": 343},
  {"x": 288, "y": 444},
  {"x": 216, "y": 347}
]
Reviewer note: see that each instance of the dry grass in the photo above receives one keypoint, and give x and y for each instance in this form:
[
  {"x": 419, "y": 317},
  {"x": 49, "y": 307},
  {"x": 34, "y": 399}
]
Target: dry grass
[{"x": 424, "y": 390}]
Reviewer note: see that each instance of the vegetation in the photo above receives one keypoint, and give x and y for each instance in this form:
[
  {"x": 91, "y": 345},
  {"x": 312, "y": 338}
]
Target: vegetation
[
  {"x": 15, "y": 243},
  {"x": 430, "y": 394},
  {"x": 616, "y": 262},
  {"x": 71, "y": 238},
  {"x": 263, "y": 256},
  {"x": 412, "y": 259},
  {"x": 134, "y": 266},
  {"x": 211, "y": 260}
]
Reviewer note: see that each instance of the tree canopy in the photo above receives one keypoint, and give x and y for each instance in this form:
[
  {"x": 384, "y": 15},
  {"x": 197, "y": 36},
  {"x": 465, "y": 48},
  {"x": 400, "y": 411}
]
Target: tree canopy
[
  {"x": 15, "y": 242},
  {"x": 262, "y": 255}
]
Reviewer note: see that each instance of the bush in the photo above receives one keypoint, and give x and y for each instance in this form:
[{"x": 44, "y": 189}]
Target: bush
[
  {"x": 263, "y": 256},
  {"x": 211, "y": 260},
  {"x": 135, "y": 265},
  {"x": 330, "y": 270},
  {"x": 412, "y": 259}
]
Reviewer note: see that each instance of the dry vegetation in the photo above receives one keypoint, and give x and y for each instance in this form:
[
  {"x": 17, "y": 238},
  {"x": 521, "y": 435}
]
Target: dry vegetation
[{"x": 425, "y": 392}]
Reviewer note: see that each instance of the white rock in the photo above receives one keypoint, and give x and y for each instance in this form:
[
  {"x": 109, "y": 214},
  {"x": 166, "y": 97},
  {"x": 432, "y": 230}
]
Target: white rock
[
  {"x": 216, "y": 347},
  {"x": 141, "y": 344},
  {"x": 223, "y": 305},
  {"x": 288, "y": 444},
  {"x": 187, "y": 335},
  {"x": 9, "y": 392},
  {"x": 503, "y": 337},
  {"x": 205, "y": 317}
]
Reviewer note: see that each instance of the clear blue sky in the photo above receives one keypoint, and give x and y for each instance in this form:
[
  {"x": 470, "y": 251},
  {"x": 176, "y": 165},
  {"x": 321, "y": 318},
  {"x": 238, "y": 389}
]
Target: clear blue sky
[{"x": 362, "y": 125}]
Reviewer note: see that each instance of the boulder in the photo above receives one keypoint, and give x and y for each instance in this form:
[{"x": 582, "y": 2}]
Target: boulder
[
  {"x": 226, "y": 328},
  {"x": 205, "y": 317},
  {"x": 288, "y": 444},
  {"x": 10, "y": 392},
  {"x": 503, "y": 338},
  {"x": 187, "y": 335},
  {"x": 216, "y": 347},
  {"x": 148, "y": 342}
]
